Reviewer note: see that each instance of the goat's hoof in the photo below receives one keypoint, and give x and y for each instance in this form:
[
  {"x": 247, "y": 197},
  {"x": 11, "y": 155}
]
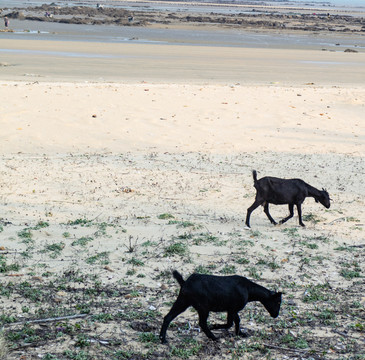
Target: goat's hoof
[
  {"x": 243, "y": 334},
  {"x": 247, "y": 227},
  {"x": 302, "y": 225},
  {"x": 163, "y": 341}
]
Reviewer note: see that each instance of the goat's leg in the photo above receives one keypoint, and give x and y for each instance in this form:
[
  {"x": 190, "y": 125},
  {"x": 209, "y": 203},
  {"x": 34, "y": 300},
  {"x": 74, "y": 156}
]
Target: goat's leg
[
  {"x": 224, "y": 326},
  {"x": 254, "y": 206},
  {"x": 203, "y": 317},
  {"x": 291, "y": 214},
  {"x": 237, "y": 326},
  {"x": 179, "y": 306},
  {"x": 266, "y": 211},
  {"x": 299, "y": 208}
]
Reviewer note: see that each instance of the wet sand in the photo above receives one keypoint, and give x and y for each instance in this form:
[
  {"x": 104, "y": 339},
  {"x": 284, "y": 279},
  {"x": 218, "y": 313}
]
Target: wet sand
[{"x": 86, "y": 61}]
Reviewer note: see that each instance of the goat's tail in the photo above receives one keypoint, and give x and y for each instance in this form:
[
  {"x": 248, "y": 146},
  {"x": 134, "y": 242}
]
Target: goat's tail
[
  {"x": 254, "y": 174},
  {"x": 178, "y": 277}
]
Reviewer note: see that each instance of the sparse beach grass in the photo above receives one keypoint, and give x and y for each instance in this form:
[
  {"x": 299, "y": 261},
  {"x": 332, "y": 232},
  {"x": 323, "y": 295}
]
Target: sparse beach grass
[{"x": 97, "y": 284}]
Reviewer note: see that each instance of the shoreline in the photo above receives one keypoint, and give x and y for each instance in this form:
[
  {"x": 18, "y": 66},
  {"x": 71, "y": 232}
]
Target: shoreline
[{"x": 109, "y": 62}]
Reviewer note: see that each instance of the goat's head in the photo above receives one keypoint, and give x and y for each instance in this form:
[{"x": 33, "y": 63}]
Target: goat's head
[
  {"x": 272, "y": 304},
  {"x": 324, "y": 198}
]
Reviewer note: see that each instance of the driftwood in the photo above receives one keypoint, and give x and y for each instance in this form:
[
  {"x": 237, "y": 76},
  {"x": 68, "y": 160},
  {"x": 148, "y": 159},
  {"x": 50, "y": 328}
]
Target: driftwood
[
  {"x": 36, "y": 321},
  {"x": 287, "y": 349}
]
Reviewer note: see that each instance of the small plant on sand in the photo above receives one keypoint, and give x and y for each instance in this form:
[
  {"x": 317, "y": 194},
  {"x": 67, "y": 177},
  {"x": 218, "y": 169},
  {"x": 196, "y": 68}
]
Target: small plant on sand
[
  {"x": 55, "y": 249},
  {"x": 346, "y": 248},
  {"x": 40, "y": 225},
  {"x": 245, "y": 242},
  {"x": 178, "y": 248},
  {"x": 349, "y": 274},
  {"x": 311, "y": 217},
  {"x": 327, "y": 315},
  {"x": 165, "y": 216},
  {"x": 7, "y": 319},
  {"x": 4, "y": 267},
  {"x": 208, "y": 238},
  {"x": 203, "y": 270},
  {"x": 184, "y": 224},
  {"x": 253, "y": 273},
  {"x": 292, "y": 232},
  {"x": 319, "y": 238},
  {"x": 309, "y": 245},
  {"x": 273, "y": 265},
  {"x": 228, "y": 269},
  {"x": 164, "y": 274},
  {"x": 26, "y": 235},
  {"x": 242, "y": 260},
  {"x": 81, "y": 222},
  {"x": 132, "y": 244},
  {"x": 32, "y": 293},
  {"x": 190, "y": 347},
  {"x": 315, "y": 293},
  {"x": 136, "y": 262},
  {"x": 149, "y": 338},
  {"x": 100, "y": 258},
  {"x": 26, "y": 334},
  {"x": 255, "y": 233},
  {"x": 352, "y": 219},
  {"x": 350, "y": 270},
  {"x": 83, "y": 241},
  {"x": 49, "y": 356}
]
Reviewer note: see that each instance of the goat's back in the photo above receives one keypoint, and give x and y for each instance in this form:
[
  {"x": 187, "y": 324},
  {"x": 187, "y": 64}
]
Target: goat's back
[
  {"x": 281, "y": 191},
  {"x": 216, "y": 293}
]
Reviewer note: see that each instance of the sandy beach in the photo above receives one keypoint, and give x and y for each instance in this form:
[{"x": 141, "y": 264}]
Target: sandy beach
[{"x": 126, "y": 161}]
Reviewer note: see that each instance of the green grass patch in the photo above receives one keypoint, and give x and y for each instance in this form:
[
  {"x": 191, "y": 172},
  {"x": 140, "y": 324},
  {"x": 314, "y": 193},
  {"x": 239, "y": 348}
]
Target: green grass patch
[
  {"x": 101, "y": 258},
  {"x": 135, "y": 262},
  {"x": 55, "y": 249},
  {"x": 315, "y": 293},
  {"x": 178, "y": 248},
  {"x": 83, "y": 241},
  {"x": 4, "y": 267},
  {"x": 165, "y": 216},
  {"x": 228, "y": 269},
  {"x": 81, "y": 222}
]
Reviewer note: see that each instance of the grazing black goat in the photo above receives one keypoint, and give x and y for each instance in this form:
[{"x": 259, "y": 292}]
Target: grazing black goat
[
  {"x": 219, "y": 293},
  {"x": 272, "y": 190}
]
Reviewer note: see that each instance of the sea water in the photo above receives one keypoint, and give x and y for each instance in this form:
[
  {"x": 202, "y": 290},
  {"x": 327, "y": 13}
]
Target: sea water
[{"x": 202, "y": 37}]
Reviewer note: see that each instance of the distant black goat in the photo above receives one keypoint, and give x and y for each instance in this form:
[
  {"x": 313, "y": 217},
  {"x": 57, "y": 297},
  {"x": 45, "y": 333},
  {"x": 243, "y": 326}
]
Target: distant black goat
[
  {"x": 272, "y": 190},
  {"x": 219, "y": 293}
]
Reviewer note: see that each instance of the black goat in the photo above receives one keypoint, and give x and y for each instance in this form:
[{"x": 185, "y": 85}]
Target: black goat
[
  {"x": 219, "y": 293},
  {"x": 272, "y": 190}
]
